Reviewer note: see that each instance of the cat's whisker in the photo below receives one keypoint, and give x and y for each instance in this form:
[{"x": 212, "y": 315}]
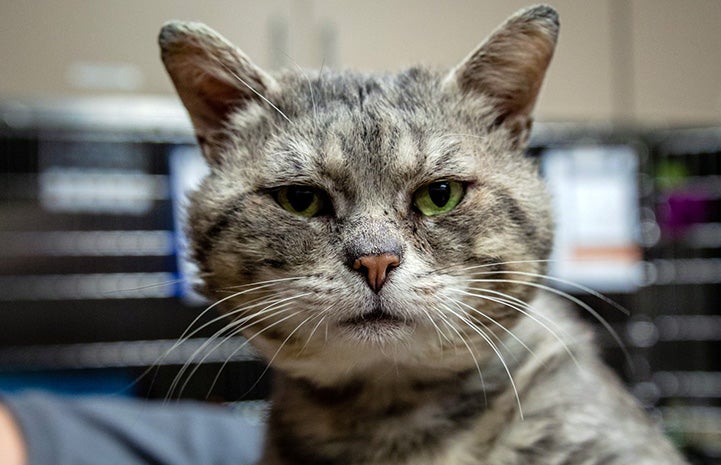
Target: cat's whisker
[
  {"x": 322, "y": 315},
  {"x": 474, "y": 321},
  {"x": 441, "y": 335},
  {"x": 239, "y": 325},
  {"x": 472, "y": 352},
  {"x": 310, "y": 91},
  {"x": 187, "y": 334},
  {"x": 170, "y": 282},
  {"x": 268, "y": 363},
  {"x": 230, "y": 356},
  {"x": 567, "y": 282},
  {"x": 495, "y": 349},
  {"x": 256, "y": 286},
  {"x": 456, "y": 267},
  {"x": 230, "y": 330},
  {"x": 502, "y": 263},
  {"x": 269, "y": 281},
  {"x": 571, "y": 298},
  {"x": 526, "y": 310},
  {"x": 495, "y": 322},
  {"x": 267, "y": 300},
  {"x": 235, "y": 330}
]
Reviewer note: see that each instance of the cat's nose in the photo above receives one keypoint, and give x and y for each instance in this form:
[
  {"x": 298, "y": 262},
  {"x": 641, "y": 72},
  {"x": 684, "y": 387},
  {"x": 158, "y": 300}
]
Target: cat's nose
[{"x": 376, "y": 268}]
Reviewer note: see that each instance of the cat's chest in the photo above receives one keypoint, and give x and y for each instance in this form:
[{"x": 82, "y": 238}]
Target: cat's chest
[{"x": 437, "y": 424}]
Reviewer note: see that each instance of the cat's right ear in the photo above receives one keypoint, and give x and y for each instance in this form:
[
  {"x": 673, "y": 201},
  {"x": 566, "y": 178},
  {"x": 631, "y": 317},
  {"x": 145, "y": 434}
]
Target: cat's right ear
[{"x": 212, "y": 77}]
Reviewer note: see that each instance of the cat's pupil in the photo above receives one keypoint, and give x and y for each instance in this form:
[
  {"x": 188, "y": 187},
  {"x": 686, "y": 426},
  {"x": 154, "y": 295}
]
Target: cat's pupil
[
  {"x": 440, "y": 193},
  {"x": 300, "y": 198}
]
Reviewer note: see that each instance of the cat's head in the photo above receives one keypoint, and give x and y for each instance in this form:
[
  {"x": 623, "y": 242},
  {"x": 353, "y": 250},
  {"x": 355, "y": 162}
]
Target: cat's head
[{"x": 351, "y": 218}]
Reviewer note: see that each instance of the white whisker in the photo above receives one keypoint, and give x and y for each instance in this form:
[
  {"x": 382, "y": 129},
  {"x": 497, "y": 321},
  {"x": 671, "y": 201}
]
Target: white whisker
[
  {"x": 571, "y": 298},
  {"x": 492, "y": 320},
  {"x": 242, "y": 81},
  {"x": 495, "y": 349},
  {"x": 269, "y": 363},
  {"x": 269, "y": 311},
  {"x": 235, "y": 332},
  {"x": 322, "y": 314},
  {"x": 573, "y": 284}
]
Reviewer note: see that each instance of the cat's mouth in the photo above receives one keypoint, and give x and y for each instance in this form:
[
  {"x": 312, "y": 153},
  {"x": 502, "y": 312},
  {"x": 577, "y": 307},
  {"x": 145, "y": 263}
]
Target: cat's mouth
[{"x": 377, "y": 317}]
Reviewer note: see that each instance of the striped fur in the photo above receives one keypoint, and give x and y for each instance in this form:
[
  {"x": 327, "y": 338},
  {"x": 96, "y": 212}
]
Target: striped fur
[{"x": 457, "y": 359}]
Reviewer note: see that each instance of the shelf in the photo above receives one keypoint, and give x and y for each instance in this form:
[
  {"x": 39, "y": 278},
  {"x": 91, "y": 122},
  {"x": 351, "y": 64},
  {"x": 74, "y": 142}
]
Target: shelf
[
  {"x": 684, "y": 271},
  {"x": 158, "y": 285},
  {"x": 126, "y": 354}
]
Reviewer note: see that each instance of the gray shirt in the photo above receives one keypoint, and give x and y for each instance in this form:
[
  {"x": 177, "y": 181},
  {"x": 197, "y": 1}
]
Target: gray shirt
[{"x": 116, "y": 431}]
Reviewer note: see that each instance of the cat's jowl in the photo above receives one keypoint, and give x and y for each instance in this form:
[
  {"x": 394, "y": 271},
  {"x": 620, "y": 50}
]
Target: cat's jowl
[{"x": 381, "y": 240}]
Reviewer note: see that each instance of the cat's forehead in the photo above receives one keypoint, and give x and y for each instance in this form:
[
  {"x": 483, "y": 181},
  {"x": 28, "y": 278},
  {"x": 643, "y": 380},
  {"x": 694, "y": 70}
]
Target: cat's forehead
[
  {"x": 370, "y": 128},
  {"x": 347, "y": 155}
]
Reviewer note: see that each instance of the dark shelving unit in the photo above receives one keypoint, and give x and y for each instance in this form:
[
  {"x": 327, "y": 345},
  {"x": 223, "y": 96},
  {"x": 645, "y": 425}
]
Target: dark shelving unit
[{"x": 89, "y": 265}]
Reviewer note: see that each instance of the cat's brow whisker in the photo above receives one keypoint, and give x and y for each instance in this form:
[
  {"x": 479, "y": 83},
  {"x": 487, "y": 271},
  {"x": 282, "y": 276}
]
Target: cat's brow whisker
[
  {"x": 310, "y": 89},
  {"x": 261, "y": 96}
]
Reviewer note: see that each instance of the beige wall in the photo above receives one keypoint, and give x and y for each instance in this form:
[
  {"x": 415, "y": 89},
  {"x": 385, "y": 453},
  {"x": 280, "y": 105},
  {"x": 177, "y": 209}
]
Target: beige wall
[{"x": 643, "y": 60}]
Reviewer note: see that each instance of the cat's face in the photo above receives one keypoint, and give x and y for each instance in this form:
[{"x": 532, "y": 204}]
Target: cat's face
[{"x": 350, "y": 219}]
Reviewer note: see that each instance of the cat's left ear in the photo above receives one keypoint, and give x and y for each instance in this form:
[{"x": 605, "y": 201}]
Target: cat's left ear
[
  {"x": 509, "y": 66},
  {"x": 213, "y": 78}
]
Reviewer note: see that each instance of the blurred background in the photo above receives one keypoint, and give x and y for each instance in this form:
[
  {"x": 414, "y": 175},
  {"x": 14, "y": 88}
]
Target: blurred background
[{"x": 96, "y": 154}]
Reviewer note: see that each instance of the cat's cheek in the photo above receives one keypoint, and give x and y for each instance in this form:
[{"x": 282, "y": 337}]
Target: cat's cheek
[{"x": 447, "y": 241}]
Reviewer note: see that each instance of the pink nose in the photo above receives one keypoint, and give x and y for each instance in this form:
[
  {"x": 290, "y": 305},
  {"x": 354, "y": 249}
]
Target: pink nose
[{"x": 376, "y": 268}]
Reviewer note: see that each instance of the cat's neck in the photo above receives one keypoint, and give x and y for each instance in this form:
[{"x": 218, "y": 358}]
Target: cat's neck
[{"x": 367, "y": 419}]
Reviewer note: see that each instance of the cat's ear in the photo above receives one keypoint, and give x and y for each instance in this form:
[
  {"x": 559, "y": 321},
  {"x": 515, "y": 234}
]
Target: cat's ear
[
  {"x": 509, "y": 66},
  {"x": 212, "y": 77}
]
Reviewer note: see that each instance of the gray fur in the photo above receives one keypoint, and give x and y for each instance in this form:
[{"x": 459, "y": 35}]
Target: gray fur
[{"x": 417, "y": 373}]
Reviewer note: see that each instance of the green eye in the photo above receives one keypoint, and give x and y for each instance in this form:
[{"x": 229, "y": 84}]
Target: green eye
[
  {"x": 301, "y": 200},
  {"x": 438, "y": 197}
]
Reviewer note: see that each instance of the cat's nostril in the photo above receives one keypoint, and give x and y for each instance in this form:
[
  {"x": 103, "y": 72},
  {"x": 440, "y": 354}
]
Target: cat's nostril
[{"x": 376, "y": 268}]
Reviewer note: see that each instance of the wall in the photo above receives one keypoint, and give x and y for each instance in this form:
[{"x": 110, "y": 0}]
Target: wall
[{"x": 651, "y": 61}]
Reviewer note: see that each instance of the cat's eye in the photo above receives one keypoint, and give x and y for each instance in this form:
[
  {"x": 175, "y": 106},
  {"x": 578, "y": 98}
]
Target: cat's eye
[
  {"x": 301, "y": 200},
  {"x": 438, "y": 197}
]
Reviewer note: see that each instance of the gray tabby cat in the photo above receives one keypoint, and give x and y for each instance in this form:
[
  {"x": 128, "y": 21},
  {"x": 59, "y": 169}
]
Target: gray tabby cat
[{"x": 381, "y": 239}]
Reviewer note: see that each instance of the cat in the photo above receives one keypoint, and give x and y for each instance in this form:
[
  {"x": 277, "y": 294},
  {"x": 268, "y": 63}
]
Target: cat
[{"x": 381, "y": 240}]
